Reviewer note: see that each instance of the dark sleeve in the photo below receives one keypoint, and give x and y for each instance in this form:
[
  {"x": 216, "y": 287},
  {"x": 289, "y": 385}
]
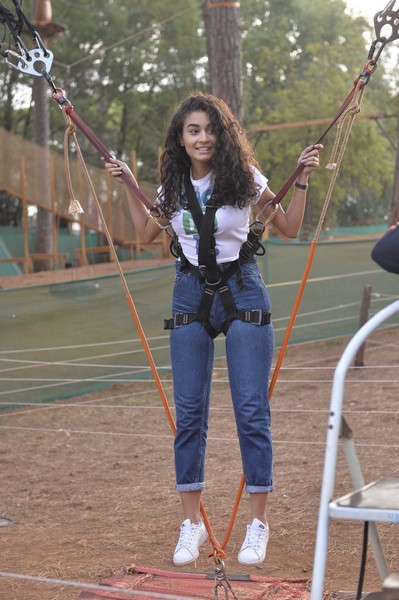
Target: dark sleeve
[{"x": 386, "y": 251}]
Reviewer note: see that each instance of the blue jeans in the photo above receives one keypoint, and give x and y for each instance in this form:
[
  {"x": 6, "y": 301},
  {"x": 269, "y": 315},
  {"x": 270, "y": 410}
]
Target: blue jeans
[{"x": 249, "y": 352}]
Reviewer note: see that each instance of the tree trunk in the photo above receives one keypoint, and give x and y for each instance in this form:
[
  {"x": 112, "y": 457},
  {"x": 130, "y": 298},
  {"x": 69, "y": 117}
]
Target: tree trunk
[
  {"x": 41, "y": 126},
  {"x": 11, "y": 79},
  {"x": 223, "y": 42}
]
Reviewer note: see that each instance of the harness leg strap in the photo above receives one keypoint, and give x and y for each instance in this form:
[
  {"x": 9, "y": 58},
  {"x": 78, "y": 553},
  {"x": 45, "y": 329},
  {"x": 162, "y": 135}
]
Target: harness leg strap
[{"x": 256, "y": 317}]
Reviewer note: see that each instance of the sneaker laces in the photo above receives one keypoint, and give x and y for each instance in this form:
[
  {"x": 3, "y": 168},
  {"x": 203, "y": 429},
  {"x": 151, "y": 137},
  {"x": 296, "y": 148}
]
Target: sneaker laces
[
  {"x": 187, "y": 533},
  {"x": 255, "y": 536}
]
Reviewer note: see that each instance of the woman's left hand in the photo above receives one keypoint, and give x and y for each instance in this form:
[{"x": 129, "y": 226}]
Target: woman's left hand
[{"x": 309, "y": 158}]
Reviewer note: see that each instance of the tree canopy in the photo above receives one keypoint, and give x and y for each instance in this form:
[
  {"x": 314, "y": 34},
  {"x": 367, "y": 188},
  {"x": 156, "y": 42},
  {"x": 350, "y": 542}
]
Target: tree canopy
[{"x": 125, "y": 65}]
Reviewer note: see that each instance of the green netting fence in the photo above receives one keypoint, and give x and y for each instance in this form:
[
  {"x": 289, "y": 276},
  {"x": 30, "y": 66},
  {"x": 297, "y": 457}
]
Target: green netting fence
[{"x": 67, "y": 339}]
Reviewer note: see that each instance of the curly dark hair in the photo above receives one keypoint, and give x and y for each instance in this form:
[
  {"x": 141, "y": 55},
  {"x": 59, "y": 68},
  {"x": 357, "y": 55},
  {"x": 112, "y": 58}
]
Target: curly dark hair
[{"x": 232, "y": 160}]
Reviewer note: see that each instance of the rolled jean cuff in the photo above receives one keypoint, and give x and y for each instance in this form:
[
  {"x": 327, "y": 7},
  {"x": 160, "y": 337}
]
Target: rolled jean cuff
[
  {"x": 256, "y": 489},
  {"x": 190, "y": 487}
]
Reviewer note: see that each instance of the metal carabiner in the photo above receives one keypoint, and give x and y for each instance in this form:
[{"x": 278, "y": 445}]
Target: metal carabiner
[
  {"x": 219, "y": 578},
  {"x": 226, "y": 591},
  {"x": 270, "y": 217}
]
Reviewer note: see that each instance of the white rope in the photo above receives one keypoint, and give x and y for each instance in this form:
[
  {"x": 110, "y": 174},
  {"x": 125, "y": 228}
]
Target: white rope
[
  {"x": 67, "y": 381},
  {"x": 120, "y": 43},
  {"x": 145, "y": 407},
  {"x": 326, "y": 278},
  {"x": 51, "y": 405},
  {"x": 36, "y": 388},
  {"x": 77, "y": 346},
  {"x": 90, "y": 586},
  {"x": 159, "y": 436},
  {"x": 24, "y": 365},
  {"x": 134, "y": 371}
]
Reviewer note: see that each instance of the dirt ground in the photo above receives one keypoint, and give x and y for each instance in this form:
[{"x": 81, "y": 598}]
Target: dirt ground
[{"x": 88, "y": 483}]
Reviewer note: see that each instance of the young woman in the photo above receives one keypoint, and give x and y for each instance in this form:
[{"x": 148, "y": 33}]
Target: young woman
[{"x": 206, "y": 151}]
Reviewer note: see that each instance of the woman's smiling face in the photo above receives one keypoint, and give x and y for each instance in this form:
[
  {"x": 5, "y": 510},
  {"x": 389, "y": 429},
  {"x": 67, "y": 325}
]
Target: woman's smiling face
[{"x": 199, "y": 140}]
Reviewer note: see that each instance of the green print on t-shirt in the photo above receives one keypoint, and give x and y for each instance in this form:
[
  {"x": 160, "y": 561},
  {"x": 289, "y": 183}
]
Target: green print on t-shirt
[{"x": 188, "y": 221}]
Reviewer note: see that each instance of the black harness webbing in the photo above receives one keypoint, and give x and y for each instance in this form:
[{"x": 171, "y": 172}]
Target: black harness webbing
[{"x": 208, "y": 272}]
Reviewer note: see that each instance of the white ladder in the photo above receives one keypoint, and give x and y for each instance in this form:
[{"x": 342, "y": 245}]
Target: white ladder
[{"x": 373, "y": 502}]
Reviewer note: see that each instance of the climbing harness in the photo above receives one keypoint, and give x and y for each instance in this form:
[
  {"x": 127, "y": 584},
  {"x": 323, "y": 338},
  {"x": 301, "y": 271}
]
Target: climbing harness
[
  {"x": 214, "y": 276},
  {"x": 38, "y": 60}
]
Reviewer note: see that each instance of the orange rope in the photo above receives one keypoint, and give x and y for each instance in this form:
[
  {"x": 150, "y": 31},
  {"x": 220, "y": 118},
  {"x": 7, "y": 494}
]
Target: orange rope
[
  {"x": 273, "y": 382},
  {"x": 292, "y": 317},
  {"x": 71, "y": 133},
  {"x": 352, "y": 111}
]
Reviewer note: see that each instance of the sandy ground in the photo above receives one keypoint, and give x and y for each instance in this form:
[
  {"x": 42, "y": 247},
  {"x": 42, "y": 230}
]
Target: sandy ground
[{"x": 88, "y": 483}]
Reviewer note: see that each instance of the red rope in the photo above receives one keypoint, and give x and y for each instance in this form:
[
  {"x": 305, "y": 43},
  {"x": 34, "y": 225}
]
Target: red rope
[{"x": 60, "y": 97}]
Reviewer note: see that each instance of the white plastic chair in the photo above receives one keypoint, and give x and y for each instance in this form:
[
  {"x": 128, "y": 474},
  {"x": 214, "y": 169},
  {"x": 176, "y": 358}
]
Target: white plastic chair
[{"x": 372, "y": 502}]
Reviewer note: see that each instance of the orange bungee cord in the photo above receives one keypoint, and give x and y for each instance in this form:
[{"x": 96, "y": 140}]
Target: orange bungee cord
[{"x": 38, "y": 61}]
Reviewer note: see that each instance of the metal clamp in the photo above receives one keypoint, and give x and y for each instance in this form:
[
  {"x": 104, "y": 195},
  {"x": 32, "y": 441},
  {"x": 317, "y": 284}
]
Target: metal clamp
[
  {"x": 387, "y": 19},
  {"x": 221, "y": 580},
  {"x": 35, "y": 62}
]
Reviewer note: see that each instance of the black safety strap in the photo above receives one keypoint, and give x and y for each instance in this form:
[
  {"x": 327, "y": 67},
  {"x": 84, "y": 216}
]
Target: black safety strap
[
  {"x": 252, "y": 246},
  {"x": 205, "y": 224},
  {"x": 256, "y": 317}
]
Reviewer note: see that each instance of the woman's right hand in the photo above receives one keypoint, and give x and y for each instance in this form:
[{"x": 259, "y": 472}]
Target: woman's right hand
[{"x": 116, "y": 168}]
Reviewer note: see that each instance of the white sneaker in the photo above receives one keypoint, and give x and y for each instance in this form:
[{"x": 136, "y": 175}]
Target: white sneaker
[
  {"x": 253, "y": 550},
  {"x": 191, "y": 538}
]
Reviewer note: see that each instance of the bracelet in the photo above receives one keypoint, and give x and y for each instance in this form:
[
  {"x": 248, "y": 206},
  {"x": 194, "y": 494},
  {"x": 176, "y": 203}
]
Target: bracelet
[{"x": 301, "y": 186}]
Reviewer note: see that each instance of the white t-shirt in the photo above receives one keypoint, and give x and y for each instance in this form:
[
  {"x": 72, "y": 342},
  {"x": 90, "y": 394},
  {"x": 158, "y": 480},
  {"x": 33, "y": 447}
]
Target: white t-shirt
[{"x": 231, "y": 223}]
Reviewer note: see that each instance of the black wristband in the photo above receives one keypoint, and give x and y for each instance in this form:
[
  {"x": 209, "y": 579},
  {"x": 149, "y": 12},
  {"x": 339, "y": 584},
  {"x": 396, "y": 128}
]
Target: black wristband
[{"x": 301, "y": 186}]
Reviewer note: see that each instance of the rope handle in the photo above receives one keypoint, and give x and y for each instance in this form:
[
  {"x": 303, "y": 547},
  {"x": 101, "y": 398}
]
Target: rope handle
[{"x": 59, "y": 96}]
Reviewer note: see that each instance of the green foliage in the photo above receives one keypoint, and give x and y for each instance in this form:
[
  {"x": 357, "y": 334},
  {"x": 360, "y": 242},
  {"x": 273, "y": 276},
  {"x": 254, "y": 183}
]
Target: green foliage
[
  {"x": 124, "y": 65},
  {"x": 301, "y": 59}
]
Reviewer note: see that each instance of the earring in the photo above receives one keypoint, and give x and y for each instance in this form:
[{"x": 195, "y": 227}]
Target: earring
[{"x": 182, "y": 143}]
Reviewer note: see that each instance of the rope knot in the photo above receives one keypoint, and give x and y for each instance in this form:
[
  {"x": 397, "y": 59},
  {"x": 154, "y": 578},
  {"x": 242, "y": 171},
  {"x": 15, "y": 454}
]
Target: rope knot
[
  {"x": 71, "y": 128},
  {"x": 75, "y": 208},
  {"x": 331, "y": 166}
]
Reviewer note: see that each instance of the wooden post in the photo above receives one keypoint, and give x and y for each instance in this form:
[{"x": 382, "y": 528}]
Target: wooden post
[
  {"x": 53, "y": 209},
  {"x": 364, "y": 316},
  {"x": 110, "y": 223},
  {"x": 27, "y": 260},
  {"x": 83, "y": 253},
  {"x": 134, "y": 171}
]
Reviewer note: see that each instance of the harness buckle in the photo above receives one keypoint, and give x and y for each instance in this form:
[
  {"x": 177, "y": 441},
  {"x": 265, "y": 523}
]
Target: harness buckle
[
  {"x": 204, "y": 271},
  {"x": 213, "y": 283},
  {"x": 255, "y": 316},
  {"x": 180, "y": 319}
]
